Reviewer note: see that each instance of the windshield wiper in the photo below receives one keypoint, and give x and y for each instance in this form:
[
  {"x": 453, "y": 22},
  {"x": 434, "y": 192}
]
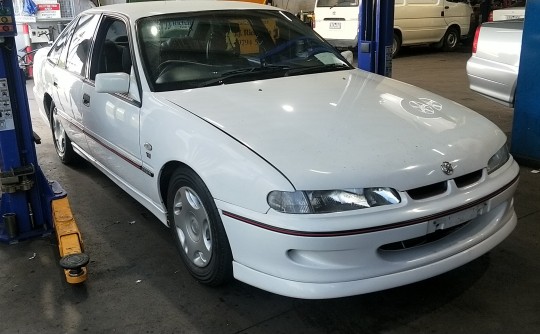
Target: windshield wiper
[
  {"x": 317, "y": 69},
  {"x": 243, "y": 72}
]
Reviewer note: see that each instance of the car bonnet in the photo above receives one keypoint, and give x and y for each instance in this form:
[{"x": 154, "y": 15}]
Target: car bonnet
[{"x": 347, "y": 129}]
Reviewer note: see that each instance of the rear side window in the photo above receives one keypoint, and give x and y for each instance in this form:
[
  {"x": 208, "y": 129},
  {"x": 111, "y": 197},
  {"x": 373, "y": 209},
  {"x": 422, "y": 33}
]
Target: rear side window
[
  {"x": 79, "y": 47},
  {"x": 60, "y": 43}
]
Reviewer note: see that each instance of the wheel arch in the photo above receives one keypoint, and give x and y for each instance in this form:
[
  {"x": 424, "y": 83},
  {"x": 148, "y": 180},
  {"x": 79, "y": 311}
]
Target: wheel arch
[
  {"x": 457, "y": 27},
  {"x": 398, "y": 32},
  {"x": 47, "y": 102},
  {"x": 165, "y": 175}
]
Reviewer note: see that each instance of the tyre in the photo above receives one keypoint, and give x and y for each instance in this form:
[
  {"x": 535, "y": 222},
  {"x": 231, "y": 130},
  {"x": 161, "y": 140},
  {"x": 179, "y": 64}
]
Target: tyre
[
  {"x": 450, "y": 39},
  {"x": 197, "y": 229},
  {"x": 396, "y": 45},
  {"x": 62, "y": 143}
]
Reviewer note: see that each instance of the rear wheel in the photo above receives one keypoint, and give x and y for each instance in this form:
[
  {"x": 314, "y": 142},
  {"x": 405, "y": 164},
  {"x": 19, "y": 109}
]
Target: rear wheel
[
  {"x": 62, "y": 143},
  {"x": 450, "y": 39},
  {"x": 197, "y": 229}
]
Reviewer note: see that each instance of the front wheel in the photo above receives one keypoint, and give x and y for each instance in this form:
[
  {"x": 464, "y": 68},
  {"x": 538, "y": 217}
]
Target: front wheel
[
  {"x": 197, "y": 229},
  {"x": 62, "y": 143}
]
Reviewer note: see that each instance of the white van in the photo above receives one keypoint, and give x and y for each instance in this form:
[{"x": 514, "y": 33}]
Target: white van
[{"x": 439, "y": 22}]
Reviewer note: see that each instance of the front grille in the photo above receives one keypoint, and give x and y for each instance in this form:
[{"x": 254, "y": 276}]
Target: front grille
[
  {"x": 428, "y": 191},
  {"x": 468, "y": 179},
  {"x": 440, "y": 187},
  {"x": 423, "y": 240}
]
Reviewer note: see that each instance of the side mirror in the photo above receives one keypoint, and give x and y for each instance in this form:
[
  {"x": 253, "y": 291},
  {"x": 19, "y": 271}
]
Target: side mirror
[
  {"x": 112, "y": 83},
  {"x": 348, "y": 55}
]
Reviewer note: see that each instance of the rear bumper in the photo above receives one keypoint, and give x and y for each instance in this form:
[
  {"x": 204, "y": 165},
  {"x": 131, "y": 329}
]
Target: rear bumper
[{"x": 494, "y": 80}]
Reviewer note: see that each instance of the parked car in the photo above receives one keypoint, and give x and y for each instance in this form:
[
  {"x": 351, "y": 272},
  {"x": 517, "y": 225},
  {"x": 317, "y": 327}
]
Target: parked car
[
  {"x": 494, "y": 65},
  {"x": 515, "y": 11},
  {"x": 270, "y": 157}
]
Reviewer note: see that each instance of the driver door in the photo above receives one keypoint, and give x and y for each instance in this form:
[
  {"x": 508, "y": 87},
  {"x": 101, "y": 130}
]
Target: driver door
[{"x": 111, "y": 121}]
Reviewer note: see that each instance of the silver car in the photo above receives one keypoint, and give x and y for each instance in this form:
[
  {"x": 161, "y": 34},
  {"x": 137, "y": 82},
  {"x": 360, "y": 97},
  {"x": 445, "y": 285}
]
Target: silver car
[{"x": 493, "y": 67}]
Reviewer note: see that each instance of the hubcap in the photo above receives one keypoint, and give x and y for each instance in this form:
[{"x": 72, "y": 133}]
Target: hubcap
[
  {"x": 451, "y": 40},
  {"x": 59, "y": 133},
  {"x": 191, "y": 223}
]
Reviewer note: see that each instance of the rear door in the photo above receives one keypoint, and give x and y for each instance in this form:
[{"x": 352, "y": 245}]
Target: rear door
[
  {"x": 56, "y": 61},
  {"x": 70, "y": 78},
  {"x": 70, "y": 71}
]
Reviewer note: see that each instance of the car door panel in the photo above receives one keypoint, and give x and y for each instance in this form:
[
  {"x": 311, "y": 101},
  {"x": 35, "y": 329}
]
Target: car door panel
[
  {"x": 420, "y": 21},
  {"x": 112, "y": 131},
  {"x": 70, "y": 71},
  {"x": 69, "y": 90},
  {"x": 111, "y": 121},
  {"x": 64, "y": 86}
]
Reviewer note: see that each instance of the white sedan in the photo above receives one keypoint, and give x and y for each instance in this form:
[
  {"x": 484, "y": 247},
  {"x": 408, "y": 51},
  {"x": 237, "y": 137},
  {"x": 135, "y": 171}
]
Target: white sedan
[{"x": 271, "y": 158}]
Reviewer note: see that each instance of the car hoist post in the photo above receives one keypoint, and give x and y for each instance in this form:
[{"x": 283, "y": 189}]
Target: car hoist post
[
  {"x": 375, "y": 36},
  {"x": 30, "y": 205},
  {"x": 526, "y": 122}
]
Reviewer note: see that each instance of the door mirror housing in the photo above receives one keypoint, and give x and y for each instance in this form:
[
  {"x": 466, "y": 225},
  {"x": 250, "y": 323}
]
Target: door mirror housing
[{"x": 112, "y": 83}]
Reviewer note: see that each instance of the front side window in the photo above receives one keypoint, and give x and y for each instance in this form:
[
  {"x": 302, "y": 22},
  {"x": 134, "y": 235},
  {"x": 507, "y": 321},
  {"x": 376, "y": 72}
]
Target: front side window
[
  {"x": 112, "y": 52},
  {"x": 190, "y": 50}
]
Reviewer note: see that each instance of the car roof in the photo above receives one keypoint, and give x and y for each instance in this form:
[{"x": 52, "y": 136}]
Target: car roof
[{"x": 138, "y": 10}]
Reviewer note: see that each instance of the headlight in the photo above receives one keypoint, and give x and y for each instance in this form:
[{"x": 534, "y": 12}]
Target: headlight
[
  {"x": 326, "y": 201},
  {"x": 498, "y": 159}
]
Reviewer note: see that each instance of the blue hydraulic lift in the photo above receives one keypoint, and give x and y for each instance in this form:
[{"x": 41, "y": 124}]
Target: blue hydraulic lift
[
  {"x": 526, "y": 125},
  {"x": 30, "y": 205},
  {"x": 375, "y": 36}
]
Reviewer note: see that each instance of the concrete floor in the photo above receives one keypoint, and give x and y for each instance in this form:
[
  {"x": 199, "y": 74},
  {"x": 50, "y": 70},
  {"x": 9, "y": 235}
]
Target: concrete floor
[{"x": 137, "y": 283}]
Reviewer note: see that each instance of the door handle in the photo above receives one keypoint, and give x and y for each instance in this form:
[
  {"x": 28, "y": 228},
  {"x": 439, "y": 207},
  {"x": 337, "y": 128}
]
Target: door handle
[
  {"x": 86, "y": 99},
  {"x": 55, "y": 84},
  {"x": 446, "y": 7}
]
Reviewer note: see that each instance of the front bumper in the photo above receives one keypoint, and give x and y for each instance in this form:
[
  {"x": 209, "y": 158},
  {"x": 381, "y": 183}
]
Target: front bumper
[{"x": 317, "y": 264}]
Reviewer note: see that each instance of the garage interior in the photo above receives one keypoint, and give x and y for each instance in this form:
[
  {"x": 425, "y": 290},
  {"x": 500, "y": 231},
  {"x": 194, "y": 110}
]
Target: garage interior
[{"x": 137, "y": 284}]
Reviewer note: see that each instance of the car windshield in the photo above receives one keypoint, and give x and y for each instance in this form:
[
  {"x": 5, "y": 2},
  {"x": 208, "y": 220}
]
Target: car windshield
[{"x": 191, "y": 50}]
